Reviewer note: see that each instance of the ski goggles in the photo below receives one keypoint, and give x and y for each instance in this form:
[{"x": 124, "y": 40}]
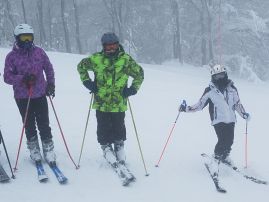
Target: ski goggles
[{"x": 26, "y": 37}]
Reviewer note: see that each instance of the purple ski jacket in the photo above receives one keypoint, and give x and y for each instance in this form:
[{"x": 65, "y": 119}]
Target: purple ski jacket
[{"x": 20, "y": 62}]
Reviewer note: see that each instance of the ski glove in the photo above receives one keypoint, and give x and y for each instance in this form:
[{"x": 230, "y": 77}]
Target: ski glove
[
  {"x": 91, "y": 85},
  {"x": 29, "y": 80},
  {"x": 128, "y": 91},
  {"x": 183, "y": 106},
  {"x": 246, "y": 116},
  {"x": 50, "y": 90}
]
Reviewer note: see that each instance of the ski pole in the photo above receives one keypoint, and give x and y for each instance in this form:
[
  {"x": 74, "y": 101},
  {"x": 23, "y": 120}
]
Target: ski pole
[
  {"x": 23, "y": 127},
  {"x": 62, "y": 132},
  {"x": 85, "y": 130},
  {"x": 246, "y": 145},
  {"x": 171, "y": 131},
  {"x": 140, "y": 149},
  {"x": 4, "y": 145}
]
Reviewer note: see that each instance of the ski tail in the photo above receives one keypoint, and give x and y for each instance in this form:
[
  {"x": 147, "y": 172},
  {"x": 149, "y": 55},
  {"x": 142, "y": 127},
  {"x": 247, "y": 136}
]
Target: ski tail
[{"x": 42, "y": 176}]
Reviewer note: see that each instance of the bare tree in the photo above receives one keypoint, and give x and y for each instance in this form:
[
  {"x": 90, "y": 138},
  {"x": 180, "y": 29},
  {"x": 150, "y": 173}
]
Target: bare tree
[
  {"x": 65, "y": 26},
  {"x": 50, "y": 24},
  {"x": 76, "y": 11},
  {"x": 8, "y": 13},
  {"x": 208, "y": 6},
  {"x": 201, "y": 12},
  {"x": 23, "y": 11},
  {"x": 115, "y": 10},
  {"x": 177, "y": 46},
  {"x": 41, "y": 23}
]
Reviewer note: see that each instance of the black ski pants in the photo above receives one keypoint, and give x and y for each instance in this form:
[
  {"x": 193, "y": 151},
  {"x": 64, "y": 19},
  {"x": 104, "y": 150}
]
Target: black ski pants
[
  {"x": 225, "y": 134},
  {"x": 110, "y": 127},
  {"x": 38, "y": 114}
]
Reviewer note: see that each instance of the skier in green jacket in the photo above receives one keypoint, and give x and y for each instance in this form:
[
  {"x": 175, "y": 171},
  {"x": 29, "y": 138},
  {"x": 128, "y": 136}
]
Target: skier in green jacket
[{"x": 111, "y": 67}]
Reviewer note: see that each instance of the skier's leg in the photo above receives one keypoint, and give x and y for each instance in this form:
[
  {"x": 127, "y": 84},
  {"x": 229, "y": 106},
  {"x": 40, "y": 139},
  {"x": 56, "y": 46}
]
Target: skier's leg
[
  {"x": 30, "y": 128},
  {"x": 119, "y": 135},
  {"x": 42, "y": 119},
  {"x": 220, "y": 146},
  {"x": 109, "y": 154},
  {"x": 48, "y": 151},
  {"x": 104, "y": 127},
  {"x": 119, "y": 151},
  {"x": 225, "y": 134},
  {"x": 104, "y": 135},
  {"x": 228, "y": 142}
]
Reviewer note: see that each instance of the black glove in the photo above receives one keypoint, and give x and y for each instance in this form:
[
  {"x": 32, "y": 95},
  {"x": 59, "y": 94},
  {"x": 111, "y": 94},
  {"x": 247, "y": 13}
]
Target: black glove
[
  {"x": 183, "y": 106},
  {"x": 50, "y": 90},
  {"x": 246, "y": 116},
  {"x": 128, "y": 91},
  {"x": 29, "y": 80},
  {"x": 91, "y": 85}
]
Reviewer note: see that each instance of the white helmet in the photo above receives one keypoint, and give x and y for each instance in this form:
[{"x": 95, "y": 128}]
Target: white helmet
[
  {"x": 23, "y": 29},
  {"x": 216, "y": 69}
]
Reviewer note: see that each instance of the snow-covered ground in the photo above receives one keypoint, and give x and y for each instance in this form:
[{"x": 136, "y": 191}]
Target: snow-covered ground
[{"x": 181, "y": 175}]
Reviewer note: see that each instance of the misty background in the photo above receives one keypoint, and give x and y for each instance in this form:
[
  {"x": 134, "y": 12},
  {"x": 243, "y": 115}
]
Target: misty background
[{"x": 232, "y": 32}]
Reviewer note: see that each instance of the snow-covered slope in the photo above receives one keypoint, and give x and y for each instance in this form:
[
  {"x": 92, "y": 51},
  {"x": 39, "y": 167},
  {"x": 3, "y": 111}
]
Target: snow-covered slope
[{"x": 181, "y": 175}]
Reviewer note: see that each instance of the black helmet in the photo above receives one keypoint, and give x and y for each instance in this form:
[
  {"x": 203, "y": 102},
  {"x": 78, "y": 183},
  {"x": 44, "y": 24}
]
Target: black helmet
[{"x": 109, "y": 38}]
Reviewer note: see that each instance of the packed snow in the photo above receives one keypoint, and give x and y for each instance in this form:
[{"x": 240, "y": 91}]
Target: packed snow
[{"x": 181, "y": 175}]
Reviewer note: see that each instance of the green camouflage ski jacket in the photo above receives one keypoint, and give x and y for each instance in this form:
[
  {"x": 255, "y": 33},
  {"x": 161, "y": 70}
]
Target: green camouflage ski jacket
[{"x": 111, "y": 76}]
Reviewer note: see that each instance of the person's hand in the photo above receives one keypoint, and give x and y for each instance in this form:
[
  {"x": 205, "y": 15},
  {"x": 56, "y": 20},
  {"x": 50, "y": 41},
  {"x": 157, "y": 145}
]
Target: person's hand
[
  {"x": 91, "y": 85},
  {"x": 29, "y": 80},
  {"x": 128, "y": 91},
  {"x": 182, "y": 106},
  {"x": 246, "y": 116},
  {"x": 50, "y": 90}
]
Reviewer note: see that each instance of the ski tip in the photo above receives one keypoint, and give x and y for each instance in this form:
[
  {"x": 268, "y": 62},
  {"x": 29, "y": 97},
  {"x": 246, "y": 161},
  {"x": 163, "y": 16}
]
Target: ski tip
[
  {"x": 147, "y": 175},
  {"x": 44, "y": 180},
  {"x": 157, "y": 166},
  {"x": 65, "y": 181},
  {"x": 77, "y": 167},
  {"x": 222, "y": 191}
]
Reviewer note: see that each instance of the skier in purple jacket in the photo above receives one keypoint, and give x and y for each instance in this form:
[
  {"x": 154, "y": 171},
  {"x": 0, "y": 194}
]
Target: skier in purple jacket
[{"x": 24, "y": 67}]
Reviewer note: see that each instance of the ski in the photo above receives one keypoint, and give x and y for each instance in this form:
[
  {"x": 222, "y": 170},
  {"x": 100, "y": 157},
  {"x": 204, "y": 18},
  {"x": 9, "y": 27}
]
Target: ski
[
  {"x": 127, "y": 172},
  {"x": 58, "y": 173},
  {"x": 237, "y": 170},
  {"x": 42, "y": 176},
  {"x": 3, "y": 175},
  {"x": 214, "y": 177},
  {"x": 126, "y": 177}
]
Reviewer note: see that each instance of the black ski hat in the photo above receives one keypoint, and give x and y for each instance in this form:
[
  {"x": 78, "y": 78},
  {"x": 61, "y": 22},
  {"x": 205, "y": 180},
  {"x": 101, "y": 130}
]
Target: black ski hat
[{"x": 109, "y": 38}]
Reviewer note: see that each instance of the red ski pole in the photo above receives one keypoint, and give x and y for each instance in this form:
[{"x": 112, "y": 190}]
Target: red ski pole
[
  {"x": 182, "y": 108},
  {"x": 23, "y": 127},
  {"x": 62, "y": 133},
  {"x": 169, "y": 136}
]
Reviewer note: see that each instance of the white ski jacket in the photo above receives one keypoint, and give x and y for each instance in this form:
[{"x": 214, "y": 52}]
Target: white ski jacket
[{"x": 221, "y": 106}]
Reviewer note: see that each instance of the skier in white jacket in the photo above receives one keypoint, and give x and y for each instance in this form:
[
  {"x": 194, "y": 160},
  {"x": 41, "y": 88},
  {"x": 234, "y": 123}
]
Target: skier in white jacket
[{"x": 223, "y": 100}]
